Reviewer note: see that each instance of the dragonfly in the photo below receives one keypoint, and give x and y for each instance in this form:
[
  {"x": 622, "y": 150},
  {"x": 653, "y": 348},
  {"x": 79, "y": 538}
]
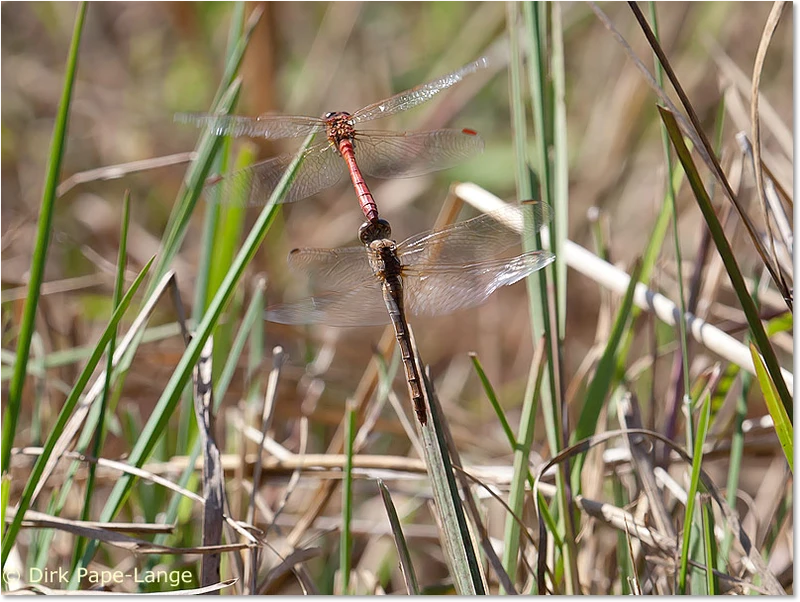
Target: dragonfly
[
  {"x": 433, "y": 273},
  {"x": 348, "y": 147}
]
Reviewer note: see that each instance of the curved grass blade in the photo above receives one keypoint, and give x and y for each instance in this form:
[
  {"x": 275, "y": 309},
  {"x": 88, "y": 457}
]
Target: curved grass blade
[
  {"x": 66, "y": 411},
  {"x": 192, "y": 188},
  {"x": 728, "y": 259},
  {"x": 684, "y": 346},
  {"x": 249, "y": 324},
  {"x": 207, "y": 148},
  {"x": 522, "y": 451},
  {"x": 100, "y": 428},
  {"x": 43, "y": 227},
  {"x": 691, "y": 494},
  {"x": 492, "y": 397},
  {"x": 783, "y": 426},
  {"x": 604, "y": 374},
  {"x": 692, "y": 127},
  {"x": 406, "y": 566},
  {"x": 209, "y": 248},
  {"x": 167, "y": 403}
]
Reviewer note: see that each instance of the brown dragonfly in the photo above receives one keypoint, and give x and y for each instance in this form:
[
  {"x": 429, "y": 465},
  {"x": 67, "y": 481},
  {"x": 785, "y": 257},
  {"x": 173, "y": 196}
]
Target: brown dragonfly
[
  {"x": 433, "y": 273},
  {"x": 348, "y": 149}
]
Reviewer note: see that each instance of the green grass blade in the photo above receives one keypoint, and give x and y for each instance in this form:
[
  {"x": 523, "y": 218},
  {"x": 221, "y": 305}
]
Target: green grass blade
[
  {"x": 76, "y": 355},
  {"x": 100, "y": 429},
  {"x": 783, "y": 426},
  {"x": 512, "y": 441},
  {"x": 521, "y": 472},
  {"x": 346, "y": 535},
  {"x": 66, "y": 410},
  {"x": 533, "y": 26},
  {"x": 458, "y": 546},
  {"x": 518, "y": 124},
  {"x": 208, "y": 250},
  {"x": 604, "y": 375},
  {"x": 492, "y": 396},
  {"x": 625, "y": 561},
  {"x": 5, "y": 490},
  {"x": 192, "y": 188},
  {"x": 659, "y": 70},
  {"x": 406, "y": 566},
  {"x": 691, "y": 497},
  {"x": 728, "y": 259},
  {"x": 221, "y": 161},
  {"x": 250, "y": 322},
  {"x": 209, "y": 145},
  {"x": 710, "y": 547},
  {"x": 735, "y": 467},
  {"x": 560, "y": 175},
  {"x": 235, "y": 31},
  {"x": 166, "y": 404},
  {"x": 650, "y": 257},
  {"x": 229, "y": 230},
  {"x": 210, "y": 222},
  {"x": 43, "y": 228}
]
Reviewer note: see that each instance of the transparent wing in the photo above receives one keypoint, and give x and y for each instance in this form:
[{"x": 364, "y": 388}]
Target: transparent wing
[
  {"x": 473, "y": 240},
  {"x": 393, "y": 155},
  {"x": 321, "y": 168},
  {"x": 263, "y": 126},
  {"x": 441, "y": 289},
  {"x": 359, "y": 307},
  {"x": 433, "y": 291},
  {"x": 414, "y": 96},
  {"x": 333, "y": 269},
  {"x": 350, "y": 293}
]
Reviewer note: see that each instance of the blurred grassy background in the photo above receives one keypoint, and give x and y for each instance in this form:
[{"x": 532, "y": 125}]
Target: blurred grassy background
[{"x": 142, "y": 62}]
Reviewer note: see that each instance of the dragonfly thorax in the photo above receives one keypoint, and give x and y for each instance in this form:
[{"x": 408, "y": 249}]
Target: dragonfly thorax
[
  {"x": 339, "y": 127},
  {"x": 383, "y": 258}
]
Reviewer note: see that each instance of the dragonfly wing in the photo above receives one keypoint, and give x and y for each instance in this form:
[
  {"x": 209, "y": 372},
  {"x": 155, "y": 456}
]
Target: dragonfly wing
[
  {"x": 393, "y": 155},
  {"x": 263, "y": 126},
  {"x": 342, "y": 270},
  {"x": 351, "y": 294},
  {"x": 321, "y": 168},
  {"x": 362, "y": 307},
  {"x": 473, "y": 240},
  {"x": 442, "y": 289},
  {"x": 414, "y": 96}
]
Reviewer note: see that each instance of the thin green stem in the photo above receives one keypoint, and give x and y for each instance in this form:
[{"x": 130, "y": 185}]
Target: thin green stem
[
  {"x": 100, "y": 430},
  {"x": 43, "y": 227},
  {"x": 346, "y": 535},
  {"x": 659, "y": 71}
]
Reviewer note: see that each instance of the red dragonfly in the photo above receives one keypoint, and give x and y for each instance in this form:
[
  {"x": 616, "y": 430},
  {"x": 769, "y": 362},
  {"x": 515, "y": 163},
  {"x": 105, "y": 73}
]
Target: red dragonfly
[
  {"x": 433, "y": 273},
  {"x": 376, "y": 153}
]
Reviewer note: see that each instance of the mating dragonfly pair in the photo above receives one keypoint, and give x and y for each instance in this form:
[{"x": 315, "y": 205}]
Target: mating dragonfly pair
[{"x": 433, "y": 273}]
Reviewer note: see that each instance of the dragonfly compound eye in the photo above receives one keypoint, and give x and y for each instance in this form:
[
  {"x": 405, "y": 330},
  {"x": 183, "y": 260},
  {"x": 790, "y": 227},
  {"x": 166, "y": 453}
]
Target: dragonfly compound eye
[{"x": 371, "y": 231}]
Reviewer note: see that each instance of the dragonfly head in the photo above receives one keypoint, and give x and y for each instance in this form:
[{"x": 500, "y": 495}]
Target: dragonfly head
[
  {"x": 371, "y": 231},
  {"x": 337, "y": 115}
]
